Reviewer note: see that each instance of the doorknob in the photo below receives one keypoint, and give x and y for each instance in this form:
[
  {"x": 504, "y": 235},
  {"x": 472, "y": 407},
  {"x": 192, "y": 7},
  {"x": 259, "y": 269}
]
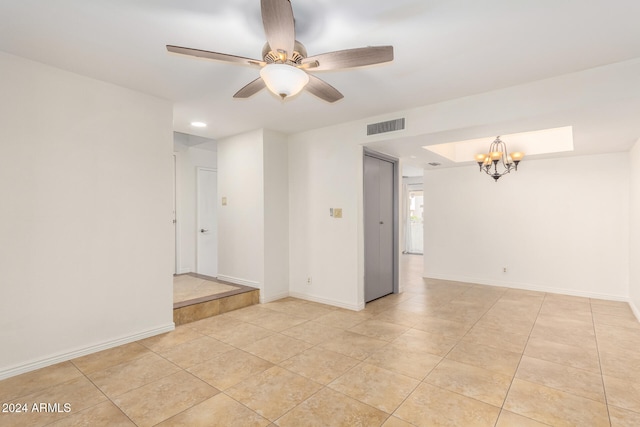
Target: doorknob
[{"x": 203, "y": 230}]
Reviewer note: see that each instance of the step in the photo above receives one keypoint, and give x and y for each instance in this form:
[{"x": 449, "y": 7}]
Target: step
[{"x": 237, "y": 296}]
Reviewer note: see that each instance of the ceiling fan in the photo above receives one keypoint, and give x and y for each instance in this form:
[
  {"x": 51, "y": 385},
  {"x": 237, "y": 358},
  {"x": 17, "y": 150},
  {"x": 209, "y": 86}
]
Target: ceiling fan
[{"x": 284, "y": 66}]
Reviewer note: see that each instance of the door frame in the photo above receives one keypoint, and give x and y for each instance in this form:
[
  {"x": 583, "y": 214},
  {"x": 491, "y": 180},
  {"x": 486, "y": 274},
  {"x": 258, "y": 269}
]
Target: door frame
[
  {"x": 198, "y": 169},
  {"x": 177, "y": 211},
  {"x": 367, "y": 152},
  {"x": 409, "y": 188}
]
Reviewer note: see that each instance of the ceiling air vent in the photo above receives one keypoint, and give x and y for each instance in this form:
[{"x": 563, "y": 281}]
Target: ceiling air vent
[
  {"x": 434, "y": 164},
  {"x": 382, "y": 127}
]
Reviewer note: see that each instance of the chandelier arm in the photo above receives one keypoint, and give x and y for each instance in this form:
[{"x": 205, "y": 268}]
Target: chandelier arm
[{"x": 495, "y": 172}]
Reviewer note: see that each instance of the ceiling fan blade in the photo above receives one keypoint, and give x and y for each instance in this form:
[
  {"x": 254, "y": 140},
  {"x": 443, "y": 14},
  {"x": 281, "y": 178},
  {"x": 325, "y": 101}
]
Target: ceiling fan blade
[
  {"x": 251, "y": 89},
  {"x": 277, "y": 18},
  {"x": 322, "y": 89},
  {"x": 351, "y": 58},
  {"x": 214, "y": 55}
]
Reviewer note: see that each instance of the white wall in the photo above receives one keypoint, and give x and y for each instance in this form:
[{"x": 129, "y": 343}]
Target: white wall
[
  {"x": 187, "y": 161},
  {"x": 253, "y": 228},
  {"x": 276, "y": 216},
  {"x": 558, "y": 225},
  {"x": 634, "y": 235},
  {"x": 241, "y": 222},
  {"x": 85, "y": 178},
  {"x": 325, "y": 171}
]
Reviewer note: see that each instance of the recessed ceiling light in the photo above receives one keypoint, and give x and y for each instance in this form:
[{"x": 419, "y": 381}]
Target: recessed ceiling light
[
  {"x": 198, "y": 124},
  {"x": 414, "y": 157}
]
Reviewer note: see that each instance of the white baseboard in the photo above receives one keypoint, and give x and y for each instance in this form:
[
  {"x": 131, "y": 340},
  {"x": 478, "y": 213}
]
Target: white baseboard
[
  {"x": 528, "y": 287},
  {"x": 184, "y": 271},
  {"x": 320, "y": 300},
  {"x": 265, "y": 299},
  {"x": 63, "y": 357},
  {"x": 239, "y": 281},
  {"x": 635, "y": 310}
]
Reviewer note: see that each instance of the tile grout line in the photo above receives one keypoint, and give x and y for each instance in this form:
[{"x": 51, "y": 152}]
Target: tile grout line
[
  {"x": 441, "y": 359},
  {"x": 104, "y": 394},
  {"x": 313, "y": 394},
  {"x": 360, "y": 363},
  {"x": 219, "y": 390},
  {"x": 520, "y": 361},
  {"x": 323, "y": 386},
  {"x": 181, "y": 369},
  {"x": 379, "y": 311},
  {"x": 225, "y": 390},
  {"x": 604, "y": 389}
]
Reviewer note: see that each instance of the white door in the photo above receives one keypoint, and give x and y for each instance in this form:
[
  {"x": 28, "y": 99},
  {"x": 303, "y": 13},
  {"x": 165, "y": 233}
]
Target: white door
[{"x": 207, "y": 223}]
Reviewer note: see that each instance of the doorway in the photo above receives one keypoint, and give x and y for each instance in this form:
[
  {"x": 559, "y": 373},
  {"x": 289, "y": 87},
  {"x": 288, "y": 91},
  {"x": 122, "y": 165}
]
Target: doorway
[
  {"x": 380, "y": 225},
  {"x": 414, "y": 211},
  {"x": 207, "y": 222}
]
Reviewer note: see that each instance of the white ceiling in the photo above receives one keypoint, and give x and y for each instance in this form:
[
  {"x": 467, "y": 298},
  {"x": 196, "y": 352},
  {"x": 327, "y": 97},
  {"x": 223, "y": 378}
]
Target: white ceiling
[{"x": 444, "y": 49}]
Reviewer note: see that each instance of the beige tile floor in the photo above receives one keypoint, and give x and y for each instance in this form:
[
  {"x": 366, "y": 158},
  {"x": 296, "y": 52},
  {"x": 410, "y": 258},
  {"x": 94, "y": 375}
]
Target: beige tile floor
[{"x": 441, "y": 353}]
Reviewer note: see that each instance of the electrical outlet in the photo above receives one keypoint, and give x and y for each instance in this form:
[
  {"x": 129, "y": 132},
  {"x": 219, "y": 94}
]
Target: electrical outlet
[
  {"x": 504, "y": 269},
  {"x": 337, "y": 212},
  {"x": 309, "y": 280}
]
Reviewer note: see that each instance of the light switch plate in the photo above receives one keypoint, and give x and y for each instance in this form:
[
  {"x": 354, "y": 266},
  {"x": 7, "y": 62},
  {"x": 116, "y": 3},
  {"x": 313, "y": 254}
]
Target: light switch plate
[
  {"x": 224, "y": 201},
  {"x": 337, "y": 212}
]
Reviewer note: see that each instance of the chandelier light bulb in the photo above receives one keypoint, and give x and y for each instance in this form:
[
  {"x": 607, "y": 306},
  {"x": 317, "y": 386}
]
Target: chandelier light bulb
[{"x": 496, "y": 155}]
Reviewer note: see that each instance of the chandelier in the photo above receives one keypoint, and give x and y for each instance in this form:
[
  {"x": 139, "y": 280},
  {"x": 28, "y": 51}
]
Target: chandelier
[{"x": 498, "y": 156}]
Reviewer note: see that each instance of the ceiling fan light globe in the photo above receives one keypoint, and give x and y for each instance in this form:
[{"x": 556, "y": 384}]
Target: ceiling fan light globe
[{"x": 284, "y": 80}]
